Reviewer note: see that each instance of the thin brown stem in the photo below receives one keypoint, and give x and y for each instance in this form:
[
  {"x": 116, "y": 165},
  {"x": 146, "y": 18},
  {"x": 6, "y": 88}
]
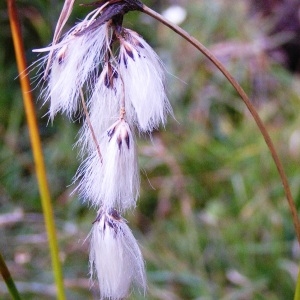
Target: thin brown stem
[
  {"x": 248, "y": 103},
  {"x": 88, "y": 120}
]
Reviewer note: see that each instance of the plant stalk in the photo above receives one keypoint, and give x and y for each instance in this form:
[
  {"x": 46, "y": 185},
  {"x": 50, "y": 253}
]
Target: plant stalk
[
  {"x": 248, "y": 103},
  {"x": 297, "y": 292},
  {"x": 36, "y": 148},
  {"x": 8, "y": 279}
]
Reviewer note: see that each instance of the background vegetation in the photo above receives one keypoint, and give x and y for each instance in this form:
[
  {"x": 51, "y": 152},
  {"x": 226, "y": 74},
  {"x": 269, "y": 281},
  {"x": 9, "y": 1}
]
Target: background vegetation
[{"x": 212, "y": 219}]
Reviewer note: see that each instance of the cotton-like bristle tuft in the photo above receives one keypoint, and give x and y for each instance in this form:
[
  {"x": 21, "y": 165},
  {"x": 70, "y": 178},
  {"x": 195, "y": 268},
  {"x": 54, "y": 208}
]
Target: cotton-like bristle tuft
[
  {"x": 103, "y": 109},
  {"x": 116, "y": 257},
  {"x": 74, "y": 64},
  {"x": 143, "y": 76},
  {"x": 120, "y": 165},
  {"x": 114, "y": 181}
]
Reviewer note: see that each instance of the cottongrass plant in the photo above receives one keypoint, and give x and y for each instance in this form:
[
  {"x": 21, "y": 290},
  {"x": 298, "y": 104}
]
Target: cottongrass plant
[
  {"x": 123, "y": 82},
  {"x": 115, "y": 78}
]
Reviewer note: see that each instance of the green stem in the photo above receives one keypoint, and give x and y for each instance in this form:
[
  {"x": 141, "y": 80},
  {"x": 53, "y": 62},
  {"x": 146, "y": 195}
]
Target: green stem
[
  {"x": 36, "y": 148},
  {"x": 248, "y": 103},
  {"x": 297, "y": 292},
  {"x": 8, "y": 279}
]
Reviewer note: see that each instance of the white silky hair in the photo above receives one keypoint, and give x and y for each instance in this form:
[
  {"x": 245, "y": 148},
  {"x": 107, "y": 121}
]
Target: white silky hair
[
  {"x": 120, "y": 165},
  {"x": 143, "y": 77},
  {"x": 103, "y": 109},
  {"x": 75, "y": 63},
  {"x": 113, "y": 181},
  {"x": 116, "y": 258}
]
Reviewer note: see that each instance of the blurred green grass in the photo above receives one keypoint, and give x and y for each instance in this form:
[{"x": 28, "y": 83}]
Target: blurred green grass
[{"x": 212, "y": 219}]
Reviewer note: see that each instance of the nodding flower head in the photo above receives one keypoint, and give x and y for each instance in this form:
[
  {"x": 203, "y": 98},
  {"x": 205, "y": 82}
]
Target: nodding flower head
[
  {"x": 115, "y": 256},
  {"x": 123, "y": 81},
  {"x": 113, "y": 179}
]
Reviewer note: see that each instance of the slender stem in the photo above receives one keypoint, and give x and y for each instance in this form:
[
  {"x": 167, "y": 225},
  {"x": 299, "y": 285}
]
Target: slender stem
[
  {"x": 297, "y": 292},
  {"x": 36, "y": 147},
  {"x": 248, "y": 103},
  {"x": 8, "y": 279},
  {"x": 88, "y": 120}
]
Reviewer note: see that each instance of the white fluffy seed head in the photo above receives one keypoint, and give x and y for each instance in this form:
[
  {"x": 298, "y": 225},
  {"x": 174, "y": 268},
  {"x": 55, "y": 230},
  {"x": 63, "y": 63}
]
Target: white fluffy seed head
[
  {"x": 114, "y": 180},
  {"x": 143, "y": 76},
  {"x": 115, "y": 256},
  {"x": 74, "y": 64}
]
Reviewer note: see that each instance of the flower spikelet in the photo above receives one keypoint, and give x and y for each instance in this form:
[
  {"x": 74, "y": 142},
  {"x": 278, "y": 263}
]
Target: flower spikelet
[
  {"x": 75, "y": 62},
  {"x": 115, "y": 256},
  {"x": 143, "y": 75},
  {"x": 113, "y": 180}
]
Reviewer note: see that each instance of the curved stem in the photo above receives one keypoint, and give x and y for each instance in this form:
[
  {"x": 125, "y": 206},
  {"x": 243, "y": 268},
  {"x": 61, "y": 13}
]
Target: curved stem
[
  {"x": 36, "y": 148},
  {"x": 248, "y": 103}
]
